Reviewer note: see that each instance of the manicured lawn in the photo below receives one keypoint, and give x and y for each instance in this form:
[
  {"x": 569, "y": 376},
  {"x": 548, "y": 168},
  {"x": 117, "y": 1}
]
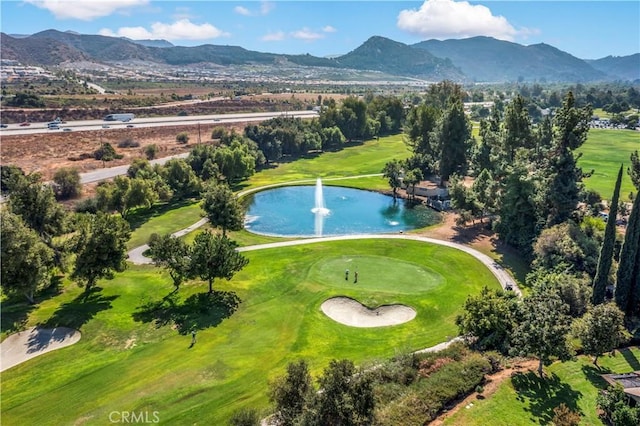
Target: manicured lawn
[
  {"x": 131, "y": 359},
  {"x": 603, "y": 152},
  {"x": 526, "y": 400},
  {"x": 163, "y": 219},
  {"x": 357, "y": 159}
]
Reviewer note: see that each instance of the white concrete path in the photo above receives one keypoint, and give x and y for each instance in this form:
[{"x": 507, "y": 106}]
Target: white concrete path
[{"x": 23, "y": 346}]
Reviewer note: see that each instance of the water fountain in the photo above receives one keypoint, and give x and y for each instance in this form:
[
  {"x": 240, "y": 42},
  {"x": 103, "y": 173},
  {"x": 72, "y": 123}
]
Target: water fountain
[{"x": 319, "y": 210}]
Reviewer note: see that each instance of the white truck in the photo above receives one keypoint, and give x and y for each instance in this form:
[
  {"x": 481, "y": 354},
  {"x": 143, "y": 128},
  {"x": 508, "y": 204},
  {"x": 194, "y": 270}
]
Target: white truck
[{"x": 125, "y": 117}]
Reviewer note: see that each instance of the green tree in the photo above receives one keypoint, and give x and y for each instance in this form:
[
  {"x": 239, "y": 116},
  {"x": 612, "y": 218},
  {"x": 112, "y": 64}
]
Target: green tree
[
  {"x": 489, "y": 319},
  {"x": 392, "y": 170},
  {"x": 614, "y": 404},
  {"x": 518, "y": 211},
  {"x": 634, "y": 169},
  {"x": 420, "y": 129},
  {"x": 181, "y": 178},
  {"x": 172, "y": 254},
  {"x": 101, "y": 249},
  {"x": 627, "y": 278},
  {"x": 36, "y": 204},
  {"x": 289, "y": 393},
  {"x": 66, "y": 183},
  {"x": 543, "y": 325},
  {"x": 453, "y": 136},
  {"x": 10, "y": 175},
  {"x": 601, "y": 330},
  {"x": 563, "y": 177},
  {"x": 215, "y": 256},
  {"x": 606, "y": 251},
  {"x": 346, "y": 397},
  {"x": 25, "y": 260},
  {"x": 411, "y": 179},
  {"x": 484, "y": 191},
  {"x": 223, "y": 208},
  {"x": 517, "y": 128}
]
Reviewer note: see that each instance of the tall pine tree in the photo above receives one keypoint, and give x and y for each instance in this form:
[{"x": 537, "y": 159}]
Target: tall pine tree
[{"x": 606, "y": 251}]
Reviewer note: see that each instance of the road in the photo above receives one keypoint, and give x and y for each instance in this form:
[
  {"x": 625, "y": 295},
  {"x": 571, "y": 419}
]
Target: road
[
  {"x": 111, "y": 172},
  {"x": 83, "y": 125}
]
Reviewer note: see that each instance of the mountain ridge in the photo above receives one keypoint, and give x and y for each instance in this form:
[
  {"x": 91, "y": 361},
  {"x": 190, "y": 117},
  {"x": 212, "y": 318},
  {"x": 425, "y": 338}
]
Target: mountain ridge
[{"x": 480, "y": 59}]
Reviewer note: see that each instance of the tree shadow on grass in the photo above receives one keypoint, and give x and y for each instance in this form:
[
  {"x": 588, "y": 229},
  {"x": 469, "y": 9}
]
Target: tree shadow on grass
[
  {"x": 594, "y": 375},
  {"x": 79, "y": 311},
  {"x": 544, "y": 395},
  {"x": 16, "y": 309},
  {"x": 141, "y": 216},
  {"x": 197, "y": 312},
  {"x": 630, "y": 358}
]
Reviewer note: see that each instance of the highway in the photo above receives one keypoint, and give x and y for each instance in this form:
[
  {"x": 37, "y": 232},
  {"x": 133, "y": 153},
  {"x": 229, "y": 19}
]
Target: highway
[{"x": 85, "y": 125}]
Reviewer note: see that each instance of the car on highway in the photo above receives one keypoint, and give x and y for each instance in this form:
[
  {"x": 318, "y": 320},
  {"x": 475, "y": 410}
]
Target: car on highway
[
  {"x": 4, "y": 126},
  {"x": 25, "y": 124},
  {"x": 66, "y": 129},
  {"x": 105, "y": 126},
  {"x": 130, "y": 125}
]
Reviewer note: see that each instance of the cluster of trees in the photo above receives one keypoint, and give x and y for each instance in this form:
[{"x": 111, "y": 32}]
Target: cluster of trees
[
  {"x": 40, "y": 239},
  {"x": 345, "y": 398},
  {"x": 353, "y": 119}
]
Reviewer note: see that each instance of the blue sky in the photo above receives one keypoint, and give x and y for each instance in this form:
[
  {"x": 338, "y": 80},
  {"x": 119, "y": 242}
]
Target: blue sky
[{"x": 586, "y": 29}]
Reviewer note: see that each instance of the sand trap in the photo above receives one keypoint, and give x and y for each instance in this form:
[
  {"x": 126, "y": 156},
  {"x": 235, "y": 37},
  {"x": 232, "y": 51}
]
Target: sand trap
[
  {"x": 353, "y": 313},
  {"x": 28, "y": 344}
]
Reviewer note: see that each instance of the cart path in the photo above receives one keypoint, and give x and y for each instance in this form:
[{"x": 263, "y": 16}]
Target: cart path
[{"x": 23, "y": 346}]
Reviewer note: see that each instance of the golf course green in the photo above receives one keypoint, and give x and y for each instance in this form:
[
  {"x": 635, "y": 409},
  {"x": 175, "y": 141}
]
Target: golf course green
[{"x": 132, "y": 356}]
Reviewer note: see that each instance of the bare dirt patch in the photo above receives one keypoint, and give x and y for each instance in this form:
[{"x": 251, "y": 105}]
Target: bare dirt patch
[{"x": 48, "y": 152}]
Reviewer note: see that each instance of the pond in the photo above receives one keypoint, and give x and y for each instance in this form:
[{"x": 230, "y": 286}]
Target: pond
[{"x": 307, "y": 211}]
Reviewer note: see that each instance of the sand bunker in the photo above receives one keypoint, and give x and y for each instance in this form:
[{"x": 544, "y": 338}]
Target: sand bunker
[
  {"x": 28, "y": 344},
  {"x": 353, "y": 313}
]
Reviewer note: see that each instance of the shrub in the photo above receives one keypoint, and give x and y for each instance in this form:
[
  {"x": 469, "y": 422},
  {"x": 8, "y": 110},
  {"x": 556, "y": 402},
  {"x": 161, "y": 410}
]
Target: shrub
[
  {"x": 245, "y": 417},
  {"x": 128, "y": 143},
  {"x": 150, "y": 151},
  {"x": 66, "y": 183},
  {"x": 88, "y": 205},
  {"x": 564, "y": 416},
  {"x": 182, "y": 137},
  {"x": 106, "y": 153},
  {"x": 218, "y": 133}
]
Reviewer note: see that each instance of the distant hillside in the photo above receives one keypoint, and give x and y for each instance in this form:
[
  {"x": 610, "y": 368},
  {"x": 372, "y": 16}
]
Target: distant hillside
[
  {"x": 97, "y": 47},
  {"x": 620, "y": 67},
  {"x": 392, "y": 57},
  {"x": 478, "y": 59},
  {"x": 34, "y": 52},
  {"x": 151, "y": 43},
  {"x": 487, "y": 59}
]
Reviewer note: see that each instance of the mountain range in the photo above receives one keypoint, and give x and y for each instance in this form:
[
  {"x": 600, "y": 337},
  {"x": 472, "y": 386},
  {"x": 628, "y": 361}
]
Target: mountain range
[{"x": 475, "y": 59}]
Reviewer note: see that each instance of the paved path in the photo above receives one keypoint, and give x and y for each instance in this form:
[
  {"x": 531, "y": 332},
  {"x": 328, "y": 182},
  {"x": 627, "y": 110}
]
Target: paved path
[
  {"x": 136, "y": 257},
  {"x": 22, "y": 346}
]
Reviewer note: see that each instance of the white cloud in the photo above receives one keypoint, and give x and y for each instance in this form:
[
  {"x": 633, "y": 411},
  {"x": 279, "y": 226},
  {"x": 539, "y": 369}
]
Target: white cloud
[
  {"x": 85, "y": 10},
  {"x": 242, "y": 11},
  {"x": 452, "y": 19},
  {"x": 306, "y": 34},
  {"x": 275, "y": 36},
  {"x": 182, "y": 29},
  {"x": 182, "y": 13},
  {"x": 329, "y": 29},
  {"x": 266, "y": 7}
]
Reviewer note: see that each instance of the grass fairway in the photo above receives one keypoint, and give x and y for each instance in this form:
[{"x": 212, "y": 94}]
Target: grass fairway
[
  {"x": 125, "y": 362},
  {"x": 526, "y": 400},
  {"x": 357, "y": 159},
  {"x": 603, "y": 152}
]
